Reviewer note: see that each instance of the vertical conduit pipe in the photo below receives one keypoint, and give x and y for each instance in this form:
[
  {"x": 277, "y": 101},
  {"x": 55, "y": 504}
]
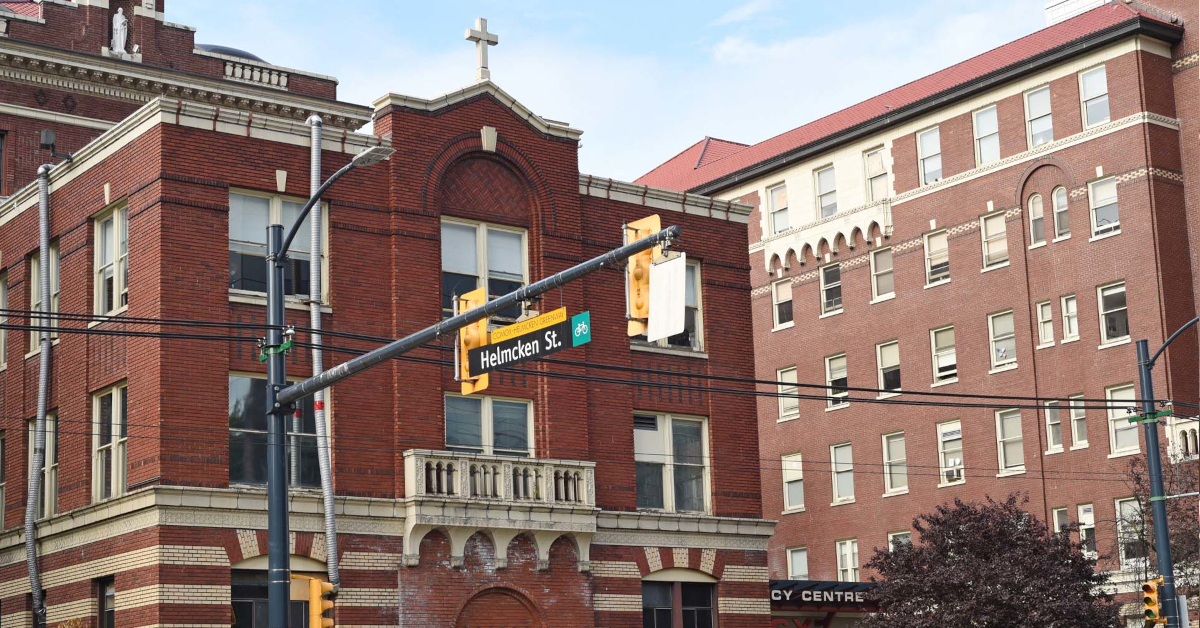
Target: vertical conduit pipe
[{"x": 34, "y": 495}]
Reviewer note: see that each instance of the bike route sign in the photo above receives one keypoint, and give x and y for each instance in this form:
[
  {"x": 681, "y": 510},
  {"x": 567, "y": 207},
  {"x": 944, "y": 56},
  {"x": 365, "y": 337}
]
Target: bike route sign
[{"x": 530, "y": 339}]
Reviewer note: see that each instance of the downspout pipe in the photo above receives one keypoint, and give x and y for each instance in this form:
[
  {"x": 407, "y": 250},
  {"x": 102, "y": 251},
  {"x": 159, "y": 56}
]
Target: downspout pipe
[
  {"x": 34, "y": 495},
  {"x": 324, "y": 445}
]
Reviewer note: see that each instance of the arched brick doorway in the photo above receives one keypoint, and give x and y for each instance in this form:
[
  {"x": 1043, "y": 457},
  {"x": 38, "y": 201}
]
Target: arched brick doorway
[{"x": 498, "y": 607}]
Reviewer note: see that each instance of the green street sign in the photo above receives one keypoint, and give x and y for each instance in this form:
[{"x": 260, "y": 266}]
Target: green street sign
[{"x": 581, "y": 329}]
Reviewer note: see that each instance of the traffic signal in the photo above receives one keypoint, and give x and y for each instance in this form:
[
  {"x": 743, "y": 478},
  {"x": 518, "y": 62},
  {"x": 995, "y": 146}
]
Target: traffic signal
[
  {"x": 320, "y": 601},
  {"x": 637, "y": 273},
  {"x": 470, "y": 337},
  {"x": 1150, "y": 603}
]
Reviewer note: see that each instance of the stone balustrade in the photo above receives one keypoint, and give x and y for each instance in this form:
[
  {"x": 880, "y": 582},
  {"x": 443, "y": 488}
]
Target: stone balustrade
[
  {"x": 256, "y": 74},
  {"x": 489, "y": 479}
]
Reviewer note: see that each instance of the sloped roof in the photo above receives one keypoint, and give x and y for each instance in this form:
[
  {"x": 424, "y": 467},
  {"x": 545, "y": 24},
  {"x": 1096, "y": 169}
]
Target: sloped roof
[
  {"x": 695, "y": 170},
  {"x": 29, "y": 7}
]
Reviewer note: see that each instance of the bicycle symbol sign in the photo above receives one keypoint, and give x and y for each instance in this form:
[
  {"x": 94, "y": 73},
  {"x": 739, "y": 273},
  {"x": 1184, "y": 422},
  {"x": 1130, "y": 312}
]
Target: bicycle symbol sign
[{"x": 581, "y": 324}]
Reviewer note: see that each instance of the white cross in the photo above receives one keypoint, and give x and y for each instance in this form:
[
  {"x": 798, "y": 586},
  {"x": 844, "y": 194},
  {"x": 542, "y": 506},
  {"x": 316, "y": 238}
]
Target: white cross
[{"x": 482, "y": 39}]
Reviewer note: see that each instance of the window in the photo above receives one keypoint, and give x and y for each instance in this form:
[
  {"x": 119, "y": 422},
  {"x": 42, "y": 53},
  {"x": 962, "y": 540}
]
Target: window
[
  {"x": 248, "y": 600},
  {"x": 475, "y": 252},
  {"x": 779, "y": 208},
  {"x": 782, "y": 291},
  {"x": 1102, "y": 195},
  {"x": 887, "y": 355},
  {"x": 487, "y": 425},
  {"x": 1003, "y": 339},
  {"x": 3, "y": 320},
  {"x": 248, "y": 436},
  {"x": 950, "y": 452},
  {"x": 929, "y": 152},
  {"x": 797, "y": 563},
  {"x": 987, "y": 136},
  {"x": 1078, "y": 422},
  {"x": 49, "y": 503},
  {"x": 789, "y": 403},
  {"x": 1058, "y": 520},
  {"x": 112, "y": 261},
  {"x": 826, "y": 192},
  {"x": 793, "y": 483},
  {"x": 249, "y": 215},
  {"x": 1062, "y": 220},
  {"x": 1114, "y": 316},
  {"x": 831, "y": 288},
  {"x": 847, "y": 560},
  {"x": 1122, "y": 435},
  {"x": 898, "y": 539},
  {"x": 882, "y": 282},
  {"x": 895, "y": 463},
  {"x": 995, "y": 240},
  {"x": 3, "y": 474},
  {"x": 1131, "y": 534},
  {"x": 672, "y": 462},
  {"x": 945, "y": 362},
  {"x": 1037, "y": 116},
  {"x": 1045, "y": 317},
  {"x": 836, "y": 381},
  {"x": 1010, "y": 445},
  {"x": 106, "y": 590},
  {"x": 662, "y": 601},
  {"x": 109, "y": 436},
  {"x": 1037, "y": 221},
  {"x": 843, "y": 472},
  {"x": 1093, "y": 92},
  {"x": 1054, "y": 440},
  {"x": 35, "y": 297},
  {"x": 1070, "y": 318},
  {"x": 693, "y": 320},
  {"x": 937, "y": 258},
  {"x": 877, "y": 177},
  {"x": 1087, "y": 529}
]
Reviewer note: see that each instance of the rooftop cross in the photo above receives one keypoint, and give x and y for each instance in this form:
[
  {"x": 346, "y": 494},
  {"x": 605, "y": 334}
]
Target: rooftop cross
[{"x": 482, "y": 39}]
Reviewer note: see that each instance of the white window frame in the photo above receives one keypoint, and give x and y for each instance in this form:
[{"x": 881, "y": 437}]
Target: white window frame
[
  {"x": 1059, "y": 519},
  {"x": 1054, "y": 415},
  {"x": 821, "y": 194},
  {"x": 3, "y": 473},
  {"x": 665, "y": 428},
  {"x": 871, "y": 196},
  {"x": 937, "y": 356},
  {"x": 1029, "y": 119},
  {"x": 833, "y": 402},
  {"x": 1109, "y": 229},
  {"x": 275, "y": 217},
  {"x": 946, "y": 463},
  {"x": 3, "y": 321},
  {"x": 487, "y": 424},
  {"x": 1007, "y": 466},
  {"x": 775, "y": 303},
  {"x": 1100, "y": 290},
  {"x": 793, "y": 471},
  {"x": 986, "y": 240},
  {"x": 1069, "y": 305},
  {"x": 877, "y": 274},
  {"x": 1078, "y": 416},
  {"x": 922, "y": 157},
  {"x": 116, "y": 448},
  {"x": 929, "y": 258},
  {"x": 482, "y": 272},
  {"x": 825, "y": 308},
  {"x": 49, "y": 504},
  {"x": 1087, "y": 527},
  {"x": 892, "y": 536},
  {"x": 1061, "y": 209},
  {"x": 1037, "y": 217},
  {"x": 118, "y": 266},
  {"x": 793, "y": 574},
  {"x": 1118, "y": 421},
  {"x": 1045, "y": 323},
  {"x": 836, "y": 468},
  {"x": 879, "y": 368},
  {"x": 993, "y": 340},
  {"x": 1127, "y": 563},
  {"x": 846, "y": 551},
  {"x": 789, "y": 407},
  {"x": 979, "y": 161},
  {"x": 774, "y": 212},
  {"x": 35, "y": 301},
  {"x": 1087, "y": 124},
  {"x": 893, "y": 463}
]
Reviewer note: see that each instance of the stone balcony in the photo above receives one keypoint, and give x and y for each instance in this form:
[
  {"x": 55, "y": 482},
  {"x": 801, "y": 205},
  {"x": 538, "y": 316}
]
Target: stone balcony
[
  {"x": 501, "y": 497},
  {"x": 822, "y": 240}
]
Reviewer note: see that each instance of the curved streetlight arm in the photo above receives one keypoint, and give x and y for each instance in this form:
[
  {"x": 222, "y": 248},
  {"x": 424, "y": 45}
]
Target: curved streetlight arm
[
  {"x": 1172, "y": 337},
  {"x": 287, "y": 242}
]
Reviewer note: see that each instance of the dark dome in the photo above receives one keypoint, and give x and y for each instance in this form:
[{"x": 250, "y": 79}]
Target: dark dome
[{"x": 232, "y": 52}]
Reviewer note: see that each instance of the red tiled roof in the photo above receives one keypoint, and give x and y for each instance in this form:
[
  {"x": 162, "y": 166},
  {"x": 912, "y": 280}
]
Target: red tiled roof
[
  {"x": 29, "y": 7},
  {"x": 695, "y": 167}
]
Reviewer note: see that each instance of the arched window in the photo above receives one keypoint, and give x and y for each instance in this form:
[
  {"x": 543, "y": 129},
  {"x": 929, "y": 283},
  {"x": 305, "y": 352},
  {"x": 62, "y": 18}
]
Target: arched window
[
  {"x": 1185, "y": 443},
  {"x": 1195, "y": 441},
  {"x": 1062, "y": 223},
  {"x": 1037, "y": 221}
]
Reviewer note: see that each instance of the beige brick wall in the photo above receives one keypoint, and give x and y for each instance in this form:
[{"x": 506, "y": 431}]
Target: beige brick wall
[
  {"x": 615, "y": 569},
  {"x": 739, "y": 573},
  {"x": 743, "y": 606},
  {"x": 369, "y": 561},
  {"x": 352, "y": 596},
  {"x": 172, "y": 594},
  {"x": 617, "y": 603}
]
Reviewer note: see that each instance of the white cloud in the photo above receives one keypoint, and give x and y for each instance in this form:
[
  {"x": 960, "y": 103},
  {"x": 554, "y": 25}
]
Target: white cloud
[{"x": 744, "y": 12}]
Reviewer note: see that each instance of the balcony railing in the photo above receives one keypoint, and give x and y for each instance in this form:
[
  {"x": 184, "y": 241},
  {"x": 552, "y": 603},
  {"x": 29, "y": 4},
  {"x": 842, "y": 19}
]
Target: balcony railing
[{"x": 478, "y": 477}]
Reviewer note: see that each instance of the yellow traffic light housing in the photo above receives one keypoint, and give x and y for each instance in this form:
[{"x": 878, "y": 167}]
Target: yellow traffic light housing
[
  {"x": 1151, "y": 606},
  {"x": 320, "y": 602},
  {"x": 470, "y": 337},
  {"x": 637, "y": 273}
]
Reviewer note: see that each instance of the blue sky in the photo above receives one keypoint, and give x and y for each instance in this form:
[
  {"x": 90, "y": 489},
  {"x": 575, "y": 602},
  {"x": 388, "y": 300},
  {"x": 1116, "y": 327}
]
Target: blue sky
[{"x": 643, "y": 80}]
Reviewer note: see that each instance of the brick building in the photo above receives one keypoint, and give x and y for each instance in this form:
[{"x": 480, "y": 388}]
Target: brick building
[
  {"x": 1005, "y": 226},
  {"x": 154, "y": 510}
]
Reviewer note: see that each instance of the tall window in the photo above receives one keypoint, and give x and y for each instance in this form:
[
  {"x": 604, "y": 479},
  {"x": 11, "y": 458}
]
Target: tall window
[
  {"x": 895, "y": 463},
  {"x": 1058, "y": 520},
  {"x": 987, "y": 136},
  {"x": 826, "y": 192},
  {"x": 950, "y": 452},
  {"x": 248, "y": 436},
  {"x": 112, "y": 265},
  {"x": 836, "y": 381},
  {"x": 1070, "y": 316},
  {"x": 789, "y": 404},
  {"x": 109, "y": 436},
  {"x": 1009, "y": 444},
  {"x": 106, "y": 590},
  {"x": 1102, "y": 195},
  {"x": 877, "y": 177},
  {"x": 249, "y": 215},
  {"x": 831, "y": 288},
  {"x": 793, "y": 482},
  {"x": 843, "y": 472},
  {"x": 847, "y": 560},
  {"x": 1062, "y": 220},
  {"x": 887, "y": 356},
  {"x": 1079, "y": 436},
  {"x": 692, "y": 336},
  {"x": 672, "y": 462},
  {"x": 35, "y": 294},
  {"x": 1045, "y": 318},
  {"x": 995, "y": 240},
  {"x": 945, "y": 359},
  {"x": 797, "y": 563},
  {"x": 937, "y": 258},
  {"x": 49, "y": 503},
  {"x": 779, "y": 208},
  {"x": 473, "y": 253},
  {"x": 1037, "y": 220},
  {"x": 1087, "y": 529},
  {"x": 1003, "y": 339},
  {"x": 1122, "y": 435},
  {"x": 883, "y": 284},
  {"x": 663, "y": 601},
  {"x": 1131, "y": 534},
  {"x": 3, "y": 474},
  {"x": 897, "y": 539},
  {"x": 3, "y": 319},
  {"x": 929, "y": 153},
  {"x": 1114, "y": 315},
  {"x": 1037, "y": 116},
  {"x": 1054, "y": 440},
  {"x": 782, "y": 293},
  {"x": 487, "y": 425},
  {"x": 1093, "y": 94}
]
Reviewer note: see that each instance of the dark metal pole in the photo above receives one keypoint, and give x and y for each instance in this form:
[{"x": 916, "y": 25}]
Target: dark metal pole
[
  {"x": 278, "y": 568},
  {"x": 1158, "y": 504}
]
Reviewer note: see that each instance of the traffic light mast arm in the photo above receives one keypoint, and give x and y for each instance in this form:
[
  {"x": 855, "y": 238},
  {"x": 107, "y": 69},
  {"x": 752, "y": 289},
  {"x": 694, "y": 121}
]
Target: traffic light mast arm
[{"x": 449, "y": 326}]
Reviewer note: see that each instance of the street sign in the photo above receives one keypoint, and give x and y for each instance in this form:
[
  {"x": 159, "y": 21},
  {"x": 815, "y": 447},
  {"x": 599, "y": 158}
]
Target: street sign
[
  {"x": 668, "y": 294},
  {"x": 529, "y": 339}
]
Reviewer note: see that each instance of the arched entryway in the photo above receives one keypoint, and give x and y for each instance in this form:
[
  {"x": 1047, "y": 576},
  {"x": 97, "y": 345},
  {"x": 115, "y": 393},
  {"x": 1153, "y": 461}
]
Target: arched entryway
[{"x": 499, "y": 607}]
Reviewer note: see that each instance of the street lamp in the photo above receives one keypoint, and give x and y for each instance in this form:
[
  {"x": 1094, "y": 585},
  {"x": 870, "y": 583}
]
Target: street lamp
[{"x": 278, "y": 568}]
